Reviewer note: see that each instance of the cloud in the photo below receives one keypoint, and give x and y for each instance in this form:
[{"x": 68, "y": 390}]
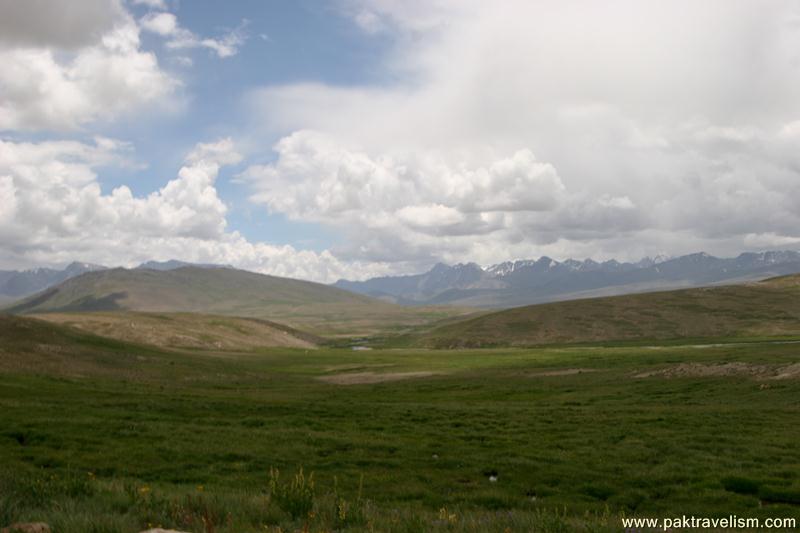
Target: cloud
[
  {"x": 221, "y": 152},
  {"x": 58, "y": 197},
  {"x": 413, "y": 16},
  {"x": 54, "y": 23},
  {"x": 164, "y": 24},
  {"x": 55, "y": 211},
  {"x": 369, "y": 22},
  {"x": 315, "y": 177},
  {"x": 517, "y": 129},
  {"x": 153, "y": 4},
  {"x": 179, "y": 38},
  {"x": 419, "y": 206},
  {"x": 44, "y": 86}
]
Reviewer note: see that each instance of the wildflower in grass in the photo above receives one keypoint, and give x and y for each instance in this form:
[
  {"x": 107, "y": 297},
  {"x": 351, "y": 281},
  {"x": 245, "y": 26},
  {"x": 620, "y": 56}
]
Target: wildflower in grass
[
  {"x": 295, "y": 497},
  {"x": 144, "y": 489},
  {"x": 446, "y": 515}
]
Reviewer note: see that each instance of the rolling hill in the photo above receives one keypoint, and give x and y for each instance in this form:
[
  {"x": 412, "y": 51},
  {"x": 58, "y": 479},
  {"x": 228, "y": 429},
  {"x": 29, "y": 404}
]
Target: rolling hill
[
  {"x": 186, "y": 330},
  {"x": 28, "y": 345},
  {"x": 303, "y": 305},
  {"x": 34, "y": 347},
  {"x": 766, "y": 308}
]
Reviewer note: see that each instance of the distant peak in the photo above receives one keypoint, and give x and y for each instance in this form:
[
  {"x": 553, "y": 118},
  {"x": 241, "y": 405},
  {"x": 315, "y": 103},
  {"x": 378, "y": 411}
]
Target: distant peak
[
  {"x": 174, "y": 264},
  {"x": 697, "y": 256},
  {"x": 77, "y": 265},
  {"x": 163, "y": 265},
  {"x": 439, "y": 267},
  {"x": 648, "y": 261}
]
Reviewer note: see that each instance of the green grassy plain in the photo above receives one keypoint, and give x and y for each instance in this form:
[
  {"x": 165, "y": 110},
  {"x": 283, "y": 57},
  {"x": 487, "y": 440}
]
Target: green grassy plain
[{"x": 99, "y": 435}]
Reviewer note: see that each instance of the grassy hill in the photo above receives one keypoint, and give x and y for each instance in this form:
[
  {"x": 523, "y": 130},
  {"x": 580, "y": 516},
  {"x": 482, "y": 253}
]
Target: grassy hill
[
  {"x": 32, "y": 346},
  {"x": 186, "y": 330},
  {"x": 767, "y": 308},
  {"x": 299, "y": 304},
  {"x": 29, "y": 345}
]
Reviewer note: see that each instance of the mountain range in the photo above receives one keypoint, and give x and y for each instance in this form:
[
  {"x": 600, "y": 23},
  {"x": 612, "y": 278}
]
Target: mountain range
[
  {"x": 524, "y": 282},
  {"x": 506, "y": 284},
  {"x": 19, "y": 283},
  {"x": 15, "y": 284},
  {"x": 302, "y": 305}
]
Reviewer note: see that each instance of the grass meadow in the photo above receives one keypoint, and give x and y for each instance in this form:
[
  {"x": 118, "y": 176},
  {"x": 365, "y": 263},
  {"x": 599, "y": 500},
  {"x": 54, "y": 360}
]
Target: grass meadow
[{"x": 548, "y": 439}]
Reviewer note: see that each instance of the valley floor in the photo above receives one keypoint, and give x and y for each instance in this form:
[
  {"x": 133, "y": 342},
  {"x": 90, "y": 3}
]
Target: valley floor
[{"x": 556, "y": 439}]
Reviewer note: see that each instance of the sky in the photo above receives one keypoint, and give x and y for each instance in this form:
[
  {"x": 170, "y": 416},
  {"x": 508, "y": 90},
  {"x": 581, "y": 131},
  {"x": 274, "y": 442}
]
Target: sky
[{"x": 357, "y": 138}]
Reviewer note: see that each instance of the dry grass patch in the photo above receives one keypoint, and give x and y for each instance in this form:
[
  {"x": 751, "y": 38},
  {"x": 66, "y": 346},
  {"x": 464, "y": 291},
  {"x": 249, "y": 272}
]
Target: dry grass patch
[
  {"x": 700, "y": 370},
  {"x": 561, "y": 372},
  {"x": 354, "y": 367},
  {"x": 186, "y": 330},
  {"x": 362, "y": 378}
]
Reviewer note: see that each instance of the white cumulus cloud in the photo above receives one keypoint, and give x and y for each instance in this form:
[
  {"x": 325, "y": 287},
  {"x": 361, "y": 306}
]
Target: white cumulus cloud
[
  {"x": 160, "y": 23},
  {"x": 49, "y": 82},
  {"x": 418, "y": 206},
  {"x": 54, "y": 211}
]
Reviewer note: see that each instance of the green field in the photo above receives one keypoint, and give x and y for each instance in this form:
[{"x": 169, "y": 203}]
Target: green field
[{"x": 101, "y": 436}]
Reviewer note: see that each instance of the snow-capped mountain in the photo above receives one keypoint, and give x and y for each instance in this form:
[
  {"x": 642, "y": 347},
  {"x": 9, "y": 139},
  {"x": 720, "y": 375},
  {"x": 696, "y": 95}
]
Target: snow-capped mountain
[
  {"x": 539, "y": 280},
  {"x": 422, "y": 287}
]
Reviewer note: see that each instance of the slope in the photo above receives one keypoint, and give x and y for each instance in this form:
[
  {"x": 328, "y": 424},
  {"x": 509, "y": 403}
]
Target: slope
[
  {"x": 28, "y": 345},
  {"x": 770, "y": 307},
  {"x": 186, "y": 330},
  {"x": 303, "y": 305}
]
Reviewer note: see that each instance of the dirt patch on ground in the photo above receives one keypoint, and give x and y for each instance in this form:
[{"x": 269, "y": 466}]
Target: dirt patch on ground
[
  {"x": 357, "y": 366},
  {"x": 361, "y": 378},
  {"x": 700, "y": 370},
  {"x": 561, "y": 372},
  {"x": 788, "y": 372}
]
